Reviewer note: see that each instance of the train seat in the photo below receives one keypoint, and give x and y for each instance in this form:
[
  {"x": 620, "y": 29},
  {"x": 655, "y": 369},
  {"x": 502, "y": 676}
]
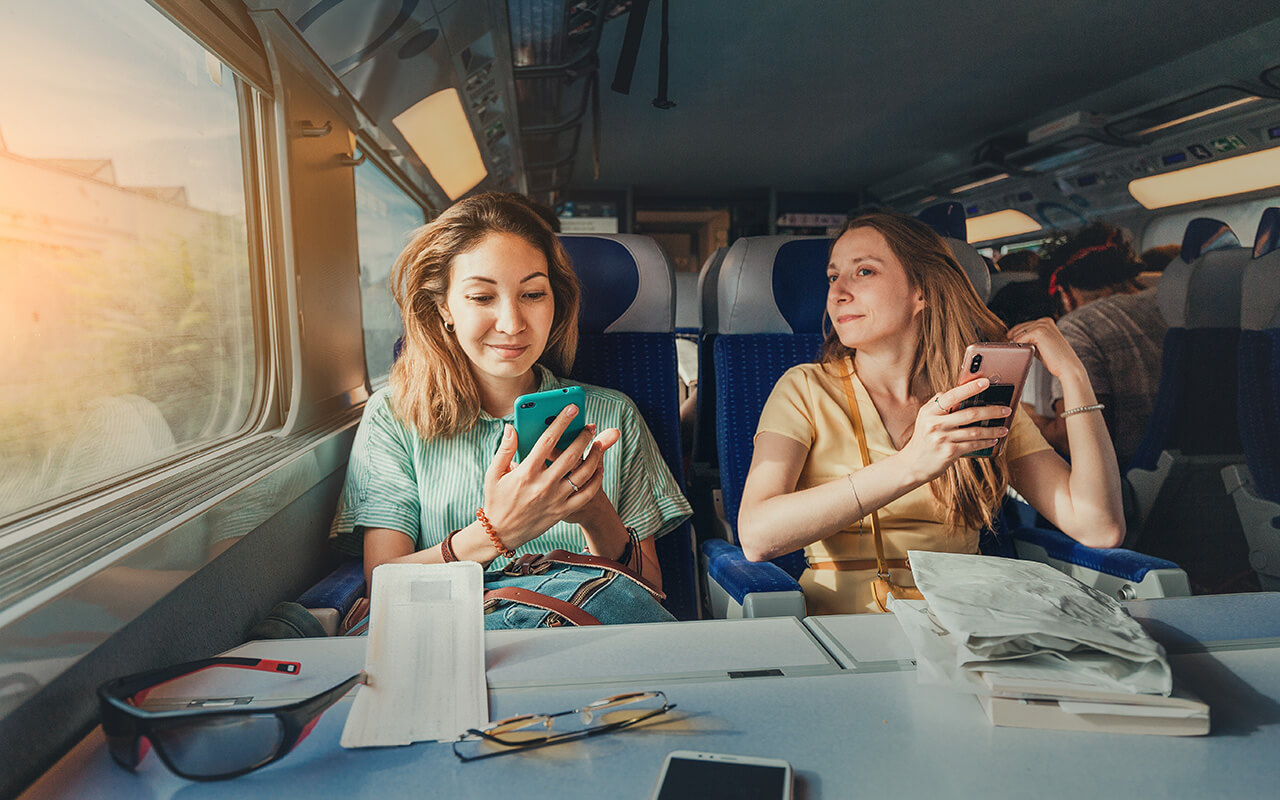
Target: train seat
[
  {"x": 770, "y": 307},
  {"x": 626, "y": 341},
  {"x": 1255, "y": 486},
  {"x": 1193, "y": 432}
]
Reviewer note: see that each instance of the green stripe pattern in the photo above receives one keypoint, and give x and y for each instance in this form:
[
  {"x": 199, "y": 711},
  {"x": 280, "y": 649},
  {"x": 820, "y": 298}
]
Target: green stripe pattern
[{"x": 425, "y": 489}]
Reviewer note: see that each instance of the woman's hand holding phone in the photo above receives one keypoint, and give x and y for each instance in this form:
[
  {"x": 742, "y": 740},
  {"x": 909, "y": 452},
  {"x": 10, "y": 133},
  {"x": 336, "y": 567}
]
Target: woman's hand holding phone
[
  {"x": 524, "y": 500},
  {"x": 942, "y": 434}
]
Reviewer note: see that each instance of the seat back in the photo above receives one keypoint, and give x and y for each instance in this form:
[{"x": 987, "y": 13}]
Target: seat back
[
  {"x": 626, "y": 341},
  {"x": 770, "y": 298},
  {"x": 1200, "y": 298},
  {"x": 1259, "y": 365},
  {"x": 704, "y": 426}
]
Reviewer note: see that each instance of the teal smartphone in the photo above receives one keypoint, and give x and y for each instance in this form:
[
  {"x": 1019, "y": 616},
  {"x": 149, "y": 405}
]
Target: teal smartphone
[{"x": 535, "y": 413}]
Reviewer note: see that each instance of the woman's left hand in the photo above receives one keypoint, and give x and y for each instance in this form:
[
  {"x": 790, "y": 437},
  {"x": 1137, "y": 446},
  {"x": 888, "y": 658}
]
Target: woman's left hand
[{"x": 1053, "y": 349}]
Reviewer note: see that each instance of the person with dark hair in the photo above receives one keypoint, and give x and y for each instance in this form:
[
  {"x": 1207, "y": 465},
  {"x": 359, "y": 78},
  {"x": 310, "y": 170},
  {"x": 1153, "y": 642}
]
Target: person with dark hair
[
  {"x": 1155, "y": 259},
  {"x": 867, "y": 446},
  {"x": 1019, "y": 261},
  {"x": 1021, "y": 301},
  {"x": 1113, "y": 324}
]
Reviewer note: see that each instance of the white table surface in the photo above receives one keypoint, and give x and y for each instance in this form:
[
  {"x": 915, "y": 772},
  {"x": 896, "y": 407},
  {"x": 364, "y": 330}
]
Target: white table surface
[{"x": 853, "y": 733}]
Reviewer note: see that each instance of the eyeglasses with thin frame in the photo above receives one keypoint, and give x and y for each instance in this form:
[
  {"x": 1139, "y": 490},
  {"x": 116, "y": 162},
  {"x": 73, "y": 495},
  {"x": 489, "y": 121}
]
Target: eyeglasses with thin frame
[
  {"x": 208, "y": 744},
  {"x": 531, "y": 731}
]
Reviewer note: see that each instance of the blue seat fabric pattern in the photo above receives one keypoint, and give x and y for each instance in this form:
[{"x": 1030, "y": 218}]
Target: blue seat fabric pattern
[
  {"x": 727, "y": 566},
  {"x": 339, "y": 589},
  {"x": 628, "y": 362},
  {"x": 747, "y": 367}
]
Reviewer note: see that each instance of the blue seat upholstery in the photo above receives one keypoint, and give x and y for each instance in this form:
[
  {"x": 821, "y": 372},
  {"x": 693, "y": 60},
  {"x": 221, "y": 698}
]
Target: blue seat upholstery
[
  {"x": 626, "y": 341},
  {"x": 1256, "y": 489}
]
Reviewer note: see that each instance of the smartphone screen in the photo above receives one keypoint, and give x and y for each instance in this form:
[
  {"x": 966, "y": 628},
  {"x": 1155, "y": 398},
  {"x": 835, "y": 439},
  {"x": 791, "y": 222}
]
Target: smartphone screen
[
  {"x": 997, "y": 394},
  {"x": 701, "y": 779}
]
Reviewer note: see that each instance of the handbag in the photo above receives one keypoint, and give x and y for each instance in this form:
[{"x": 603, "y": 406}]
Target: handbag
[
  {"x": 883, "y": 585},
  {"x": 561, "y": 588}
]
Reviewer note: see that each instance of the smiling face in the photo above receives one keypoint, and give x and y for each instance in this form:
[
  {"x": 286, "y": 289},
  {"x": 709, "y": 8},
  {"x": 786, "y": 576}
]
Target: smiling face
[
  {"x": 869, "y": 298},
  {"x": 501, "y": 306}
]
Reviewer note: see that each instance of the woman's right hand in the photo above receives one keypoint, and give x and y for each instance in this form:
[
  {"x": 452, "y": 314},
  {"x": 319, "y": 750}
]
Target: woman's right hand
[
  {"x": 939, "y": 437},
  {"x": 523, "y": 501}
]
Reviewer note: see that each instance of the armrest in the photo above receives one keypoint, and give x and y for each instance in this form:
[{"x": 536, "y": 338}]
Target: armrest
[
  {"x": 1126, "y": 564},
  {"x": 755, "y": 588},
  {"x": 331, "y": 598}
]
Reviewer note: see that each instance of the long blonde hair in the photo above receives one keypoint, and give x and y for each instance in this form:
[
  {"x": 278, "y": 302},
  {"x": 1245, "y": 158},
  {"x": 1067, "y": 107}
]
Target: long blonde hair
[
  {"x": 433, "y": 389},
  {"x": 953, "y": 317}
]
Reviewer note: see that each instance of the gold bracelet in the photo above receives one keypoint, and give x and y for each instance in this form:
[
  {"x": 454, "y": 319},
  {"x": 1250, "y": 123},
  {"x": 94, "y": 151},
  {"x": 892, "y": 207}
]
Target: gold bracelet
[{"x": 1081, "y": 410}]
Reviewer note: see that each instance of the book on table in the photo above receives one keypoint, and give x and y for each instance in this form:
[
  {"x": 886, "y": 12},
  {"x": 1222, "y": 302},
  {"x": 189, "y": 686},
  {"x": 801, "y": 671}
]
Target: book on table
[{"x": 1059, "y": 705}]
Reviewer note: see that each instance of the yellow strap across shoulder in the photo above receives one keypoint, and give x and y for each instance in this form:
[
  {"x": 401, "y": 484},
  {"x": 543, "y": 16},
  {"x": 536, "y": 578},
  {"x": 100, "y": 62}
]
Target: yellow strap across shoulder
[{"x": 882, "y": 568}]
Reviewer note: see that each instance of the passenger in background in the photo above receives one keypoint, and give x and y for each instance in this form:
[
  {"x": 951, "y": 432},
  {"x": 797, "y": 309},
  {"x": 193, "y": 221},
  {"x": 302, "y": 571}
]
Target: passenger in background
[
  {"x": 1021, "y": 302},
  {"x": 1019, "y": 261},
  {"x": 1114, "y": 326},
  {"x": 490, "y": 308},
  {"x": 901, "y": 313},
  {"x": 1156, "y": 259}
]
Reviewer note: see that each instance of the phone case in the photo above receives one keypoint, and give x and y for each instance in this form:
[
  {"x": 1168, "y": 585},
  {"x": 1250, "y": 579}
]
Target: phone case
[
  {"x": 1005, "y": 364},
  {"x": 535, "y": 412}
]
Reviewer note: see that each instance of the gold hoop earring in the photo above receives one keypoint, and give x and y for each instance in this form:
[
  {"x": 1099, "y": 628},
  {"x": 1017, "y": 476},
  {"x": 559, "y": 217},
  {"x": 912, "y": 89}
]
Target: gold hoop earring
[{"x": 448, "y": 326}]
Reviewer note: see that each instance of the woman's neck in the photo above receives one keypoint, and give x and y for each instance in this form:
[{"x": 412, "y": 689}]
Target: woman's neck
[
  {"x": 888, "y": 372},
  {"x": 498, "y": 395}
]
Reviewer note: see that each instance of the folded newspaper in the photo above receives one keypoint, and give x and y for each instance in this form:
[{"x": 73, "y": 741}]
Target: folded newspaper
[{"x": 1039, "y": 648}]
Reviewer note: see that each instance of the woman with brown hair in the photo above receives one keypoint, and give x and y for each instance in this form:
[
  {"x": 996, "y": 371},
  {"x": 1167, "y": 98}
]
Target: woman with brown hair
[
  {"x": 489, "y": 302},
  {"x": 901, "y": 313}
]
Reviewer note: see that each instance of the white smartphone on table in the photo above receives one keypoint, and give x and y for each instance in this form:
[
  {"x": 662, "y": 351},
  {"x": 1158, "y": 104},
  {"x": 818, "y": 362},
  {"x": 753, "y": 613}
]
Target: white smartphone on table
[{"x": 690, "y": 775}]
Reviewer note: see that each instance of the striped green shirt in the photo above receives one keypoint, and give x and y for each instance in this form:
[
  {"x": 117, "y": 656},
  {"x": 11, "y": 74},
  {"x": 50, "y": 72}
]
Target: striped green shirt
[{"x": 425, "y": 489}]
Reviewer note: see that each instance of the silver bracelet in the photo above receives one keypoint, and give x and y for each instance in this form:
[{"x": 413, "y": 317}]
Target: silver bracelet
[
  {"x": 1081, "y": 410},
  {"x": 854, "y": 489}
]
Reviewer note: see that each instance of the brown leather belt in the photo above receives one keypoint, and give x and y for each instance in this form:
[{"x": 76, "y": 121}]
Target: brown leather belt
[{"x": 861, "y": 563}]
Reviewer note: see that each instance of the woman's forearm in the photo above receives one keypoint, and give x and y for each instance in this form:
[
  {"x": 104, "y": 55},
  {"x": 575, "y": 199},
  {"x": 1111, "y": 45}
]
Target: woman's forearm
[
  {"x": 780, "y": 524},
  {"x": 1097, "y": 515}
]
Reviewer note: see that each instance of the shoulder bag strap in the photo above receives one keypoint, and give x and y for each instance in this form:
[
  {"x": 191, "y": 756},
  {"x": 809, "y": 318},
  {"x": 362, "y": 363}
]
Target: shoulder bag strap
[
  {"x": 599, "y": 562},
  {"x": 545, "y": 602},
  {"x": 882, "y": 569}
]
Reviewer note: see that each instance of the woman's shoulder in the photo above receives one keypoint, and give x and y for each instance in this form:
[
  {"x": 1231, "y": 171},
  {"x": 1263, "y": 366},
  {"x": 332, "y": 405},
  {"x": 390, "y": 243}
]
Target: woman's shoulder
[
  {"x": 602, "y": 396},
  {"x": 808, "y": 374}
]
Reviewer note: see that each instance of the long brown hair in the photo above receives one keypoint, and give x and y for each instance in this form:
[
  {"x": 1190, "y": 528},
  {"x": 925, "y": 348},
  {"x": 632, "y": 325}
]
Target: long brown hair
[
  {"x": 433, "y": 389},
  {"x": 953, "y": 317}
]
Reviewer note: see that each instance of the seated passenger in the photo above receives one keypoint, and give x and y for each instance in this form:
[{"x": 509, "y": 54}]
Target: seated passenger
[
  {"x": 901, "y": 313},
  {"x": 490, "y": 308},
  {"x": 1114, "y": 326}
]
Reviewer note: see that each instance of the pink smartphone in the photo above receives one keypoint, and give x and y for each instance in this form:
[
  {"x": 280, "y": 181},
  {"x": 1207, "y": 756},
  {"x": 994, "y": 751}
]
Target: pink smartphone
[{"x": 1005, "y": 364}]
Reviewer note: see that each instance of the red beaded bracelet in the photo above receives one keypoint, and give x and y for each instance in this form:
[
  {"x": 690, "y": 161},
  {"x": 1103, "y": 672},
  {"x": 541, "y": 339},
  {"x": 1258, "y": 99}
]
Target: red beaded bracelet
[{"x": 502, "y": 549}]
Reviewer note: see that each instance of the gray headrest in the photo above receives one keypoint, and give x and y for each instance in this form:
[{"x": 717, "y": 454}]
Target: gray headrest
[
  {"x": 707, "y": 278},
  {"x": 628, "y": 284},
  {"x": 1003, "y": 279},
  {"x": 1205, "y": 293},
  {"x": 687, "y": 299},
  {"x": 1260, "y": 289},
  {"x": 974, "y": 266},
  {"x": 746, "y": 301}
]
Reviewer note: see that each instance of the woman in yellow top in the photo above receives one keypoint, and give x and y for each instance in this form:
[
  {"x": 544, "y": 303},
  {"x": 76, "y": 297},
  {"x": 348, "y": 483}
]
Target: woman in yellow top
[{"x": 901, "y": 312}]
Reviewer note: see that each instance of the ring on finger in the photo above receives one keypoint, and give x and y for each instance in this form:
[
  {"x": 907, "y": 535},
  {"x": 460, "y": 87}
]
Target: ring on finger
[
  {"x": 938, "y": 403},
  {"x": 575, "y": 486}
]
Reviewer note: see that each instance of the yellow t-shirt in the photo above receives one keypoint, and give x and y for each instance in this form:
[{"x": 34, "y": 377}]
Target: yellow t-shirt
[{"x": 808, "y": 404}]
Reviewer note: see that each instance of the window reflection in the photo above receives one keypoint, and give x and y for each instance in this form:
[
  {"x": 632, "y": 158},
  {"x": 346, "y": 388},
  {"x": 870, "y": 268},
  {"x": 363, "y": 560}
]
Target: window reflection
[
  {"x": 125, "y": 299},
  {"x": 385, "y": 216}
]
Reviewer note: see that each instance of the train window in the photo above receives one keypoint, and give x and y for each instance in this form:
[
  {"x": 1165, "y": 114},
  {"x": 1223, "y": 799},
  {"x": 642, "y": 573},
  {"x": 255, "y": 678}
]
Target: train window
[
  {"x": 126, "y": 304},
  {"x": 385, "y": 216}
]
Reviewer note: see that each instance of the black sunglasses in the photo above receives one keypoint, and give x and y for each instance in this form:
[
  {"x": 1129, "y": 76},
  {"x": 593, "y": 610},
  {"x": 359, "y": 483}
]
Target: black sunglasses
[{"x": 208, "y": 743}]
